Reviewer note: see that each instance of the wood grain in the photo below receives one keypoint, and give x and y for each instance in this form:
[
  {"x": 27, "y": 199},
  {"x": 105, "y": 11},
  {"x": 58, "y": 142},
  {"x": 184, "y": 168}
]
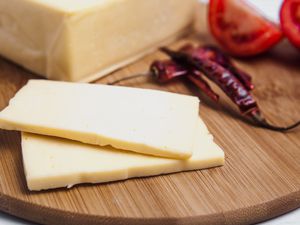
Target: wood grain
[{"x": 261, "y": 178}]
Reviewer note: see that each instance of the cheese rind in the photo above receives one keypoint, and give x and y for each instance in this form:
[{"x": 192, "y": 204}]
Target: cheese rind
[
  {"x": 145, "y": 121},
  {"x": 83, "y": 40},
  {"x": 53, "y": 162}
]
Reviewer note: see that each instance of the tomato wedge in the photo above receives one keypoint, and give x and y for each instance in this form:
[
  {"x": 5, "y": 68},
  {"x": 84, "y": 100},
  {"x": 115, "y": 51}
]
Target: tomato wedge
[
  {"x": 290, "y": 21},
  {"x": 240, "y": 29}
]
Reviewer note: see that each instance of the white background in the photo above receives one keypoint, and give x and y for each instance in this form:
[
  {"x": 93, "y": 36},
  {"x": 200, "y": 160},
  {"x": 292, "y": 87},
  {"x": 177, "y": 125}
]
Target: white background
[{"x": 270, "y": 9}]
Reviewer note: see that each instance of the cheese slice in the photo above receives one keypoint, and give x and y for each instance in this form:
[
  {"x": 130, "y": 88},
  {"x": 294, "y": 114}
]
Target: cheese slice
[
  {"x": 145, "y": 121},
  {"x": 53, "y": 162},
  {"x": 81, "y": 40}
]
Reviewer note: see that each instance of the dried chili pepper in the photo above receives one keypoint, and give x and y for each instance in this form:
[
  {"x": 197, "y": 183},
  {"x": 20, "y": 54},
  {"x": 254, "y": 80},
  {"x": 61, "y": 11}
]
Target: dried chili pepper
[
  {"x": 229, "y": 83},
  {"x": 233, "y": 88},
  {"x": 160, "y": 71},
  {"x": 197, "y": 80},
  {"x": 214, "y": 54},
  {"x": 164, "y": 71},
  {"x": 167, "y": 70}
]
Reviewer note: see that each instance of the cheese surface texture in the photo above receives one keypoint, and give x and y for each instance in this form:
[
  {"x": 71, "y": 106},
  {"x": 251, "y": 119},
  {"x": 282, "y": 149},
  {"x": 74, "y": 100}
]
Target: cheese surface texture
[
  {"x": 145, "y": 121},
  {"x": 51, "y": 162},
  {"x": 81, "y": 40}
]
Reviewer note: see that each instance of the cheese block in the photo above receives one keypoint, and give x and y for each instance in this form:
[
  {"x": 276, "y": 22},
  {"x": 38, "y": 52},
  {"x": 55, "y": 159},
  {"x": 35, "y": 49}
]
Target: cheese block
[
  {"x": 145, "y": 121},
  {"x": 81, "y": 40},
  {"x": 51, "y": 162}
]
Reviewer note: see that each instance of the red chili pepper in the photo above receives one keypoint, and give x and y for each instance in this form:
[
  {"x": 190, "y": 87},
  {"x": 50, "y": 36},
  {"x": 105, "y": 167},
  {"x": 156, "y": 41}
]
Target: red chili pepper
[
  {"x": 203, "y": 85},
  {"x": 167, "y": 70},
  {"x": 161, "y": 71},
  {"x": 164, "y": 71},
  {"x": 227, "y": 81},
  {"x": 234, "y": 89},
  {"x": 214, "y": 54}
]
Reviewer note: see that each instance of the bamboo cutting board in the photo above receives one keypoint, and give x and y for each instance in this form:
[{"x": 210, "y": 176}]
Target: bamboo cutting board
[{"x": 261, "y": 178}]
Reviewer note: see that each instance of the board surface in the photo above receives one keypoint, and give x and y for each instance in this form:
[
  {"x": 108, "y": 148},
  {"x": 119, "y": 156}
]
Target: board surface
[{"x": 260, "y": 180}]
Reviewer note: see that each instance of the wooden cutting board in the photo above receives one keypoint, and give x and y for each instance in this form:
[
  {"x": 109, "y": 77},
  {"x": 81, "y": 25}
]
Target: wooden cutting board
[{"x": 261, "y": 178}]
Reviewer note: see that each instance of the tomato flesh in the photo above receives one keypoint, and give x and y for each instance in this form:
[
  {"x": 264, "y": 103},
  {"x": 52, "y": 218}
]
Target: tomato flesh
[
  {"x": 240, "y": 29},
  {"x": 290, "y": 20}
]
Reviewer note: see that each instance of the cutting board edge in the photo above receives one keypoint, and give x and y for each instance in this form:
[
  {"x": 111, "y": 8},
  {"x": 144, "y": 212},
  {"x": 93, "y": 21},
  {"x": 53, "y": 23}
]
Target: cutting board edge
[{"x": 247, "y": 215}]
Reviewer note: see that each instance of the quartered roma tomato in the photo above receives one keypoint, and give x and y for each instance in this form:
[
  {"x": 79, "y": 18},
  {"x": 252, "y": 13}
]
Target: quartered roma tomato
[
  {"x": 290, "y": 20},
  {"x": 240, "y": 29}
]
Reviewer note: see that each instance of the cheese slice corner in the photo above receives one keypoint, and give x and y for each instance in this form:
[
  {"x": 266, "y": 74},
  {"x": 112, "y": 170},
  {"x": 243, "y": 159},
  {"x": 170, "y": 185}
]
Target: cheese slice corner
[{"x": 51, "y": 162}]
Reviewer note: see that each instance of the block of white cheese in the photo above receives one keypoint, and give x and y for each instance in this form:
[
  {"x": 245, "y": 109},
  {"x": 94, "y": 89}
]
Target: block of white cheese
[
  {"x": 145, "y": 121},
  {"x": 51, "y": 162},
  {"x": 81, "y": 40}
]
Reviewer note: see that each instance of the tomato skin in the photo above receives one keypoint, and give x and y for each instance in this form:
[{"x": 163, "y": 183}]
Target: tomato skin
[
  {"x": 239, "y": 29},
  {"x": 290, "y": 21}
]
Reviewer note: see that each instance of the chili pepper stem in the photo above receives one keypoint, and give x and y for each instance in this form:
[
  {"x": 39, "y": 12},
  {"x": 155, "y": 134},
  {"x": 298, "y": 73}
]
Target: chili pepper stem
[
  {"x": 261, "y": 121},
  {"x": 130, "y": 77}
]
